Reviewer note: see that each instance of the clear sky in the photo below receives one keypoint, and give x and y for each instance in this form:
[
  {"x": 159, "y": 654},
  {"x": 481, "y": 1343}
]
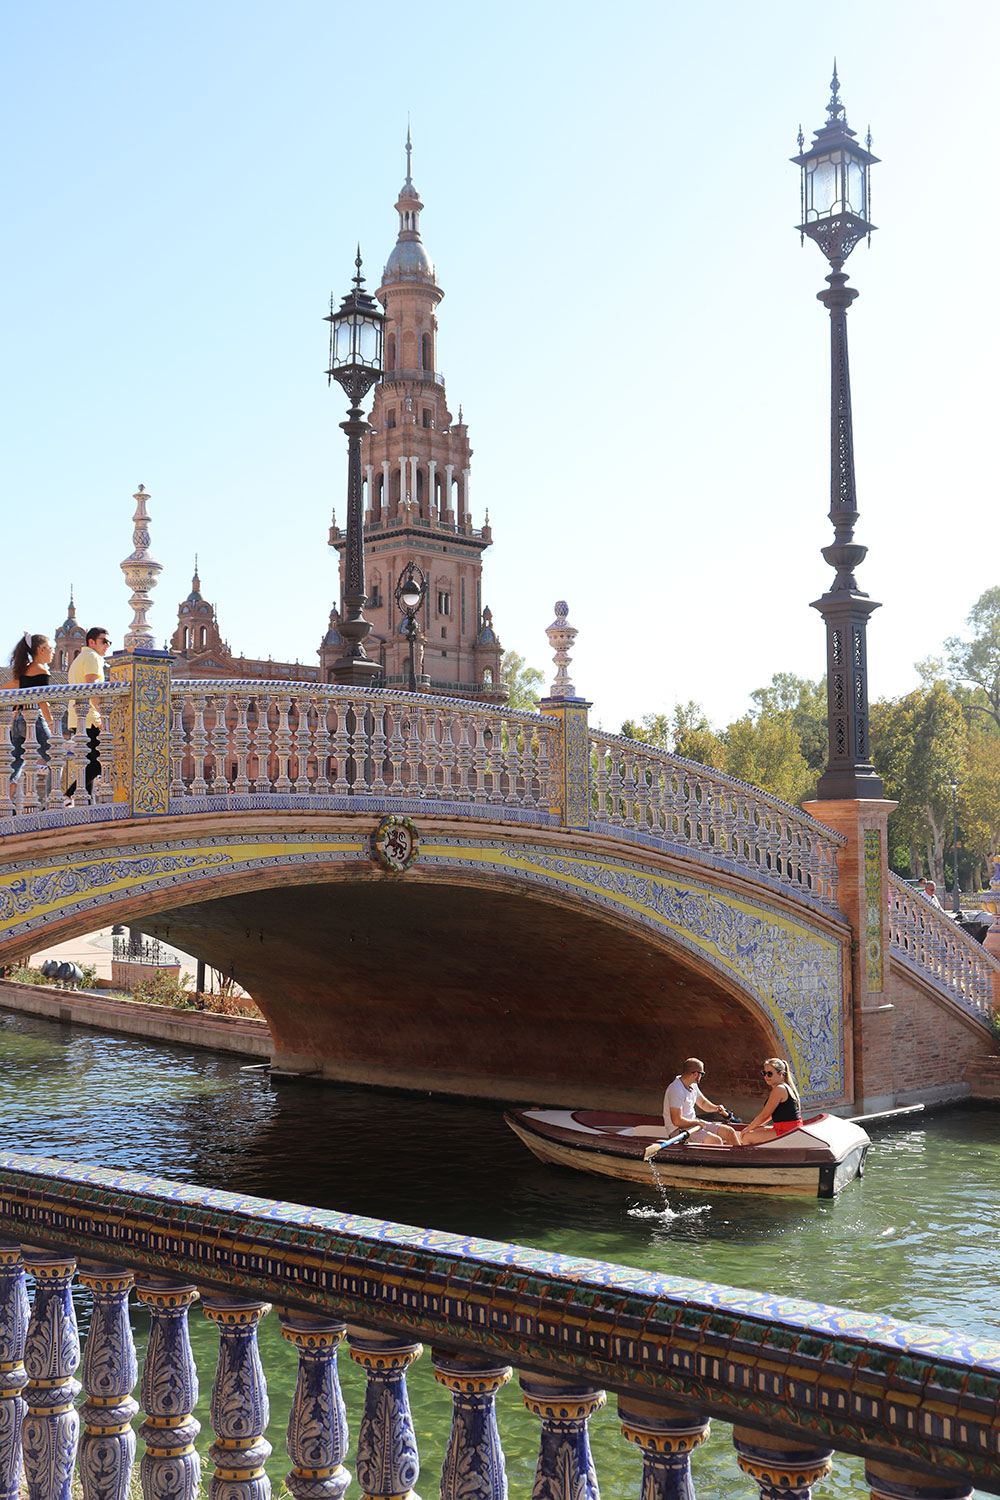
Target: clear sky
[{"x": 629, "y": 322}]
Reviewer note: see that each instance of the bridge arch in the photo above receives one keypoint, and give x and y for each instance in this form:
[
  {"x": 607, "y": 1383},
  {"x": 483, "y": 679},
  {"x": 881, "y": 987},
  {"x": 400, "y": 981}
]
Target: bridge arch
[{"x": 546, "y": 964}]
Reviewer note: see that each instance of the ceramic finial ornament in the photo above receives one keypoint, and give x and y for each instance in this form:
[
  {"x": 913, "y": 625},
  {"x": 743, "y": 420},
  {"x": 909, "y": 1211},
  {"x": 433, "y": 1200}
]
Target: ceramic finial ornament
[
  {"x": 141, "y": 570},
  {"x": 561, "y": 636}
]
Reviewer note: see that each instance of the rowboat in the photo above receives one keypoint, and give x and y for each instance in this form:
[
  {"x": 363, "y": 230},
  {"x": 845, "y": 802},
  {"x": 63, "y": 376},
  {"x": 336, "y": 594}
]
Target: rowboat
[{"x": 815, "y": 1160}]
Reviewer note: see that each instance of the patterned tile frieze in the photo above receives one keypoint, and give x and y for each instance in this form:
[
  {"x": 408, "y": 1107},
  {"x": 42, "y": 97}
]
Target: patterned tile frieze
[
  {"x": 794, "y": 970},
  {"x": 71, "y": 884},
  {"x": 869, "y": 1384}
]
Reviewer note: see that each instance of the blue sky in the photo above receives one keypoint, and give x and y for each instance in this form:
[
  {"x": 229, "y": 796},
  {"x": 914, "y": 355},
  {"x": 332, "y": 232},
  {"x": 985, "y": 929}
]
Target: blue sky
[{"x": 629, "y": 322}]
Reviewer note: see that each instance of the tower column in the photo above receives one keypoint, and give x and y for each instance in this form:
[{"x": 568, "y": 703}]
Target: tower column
[
  {"x": 370, "y": 507},
  {"x": 431, "y": 492},
  {"x": 386, "y": 487},
  {"x": 413, "y": 478},
  {"x": 466, "y": 512},
  {"x": 449, "y": 514},
  {"x": 402, "y": 483}
]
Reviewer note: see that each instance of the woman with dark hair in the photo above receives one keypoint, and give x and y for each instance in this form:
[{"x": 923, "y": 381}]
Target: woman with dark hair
[
  {"x": 29, "y": 668},
  {"x": 782, "y": 1109}
]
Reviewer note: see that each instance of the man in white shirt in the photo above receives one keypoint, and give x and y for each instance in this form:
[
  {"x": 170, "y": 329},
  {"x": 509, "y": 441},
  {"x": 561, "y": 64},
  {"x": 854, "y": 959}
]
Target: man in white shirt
[
  {"x": 684, "y": 1098},
  {"x": 89, "y": 667}
]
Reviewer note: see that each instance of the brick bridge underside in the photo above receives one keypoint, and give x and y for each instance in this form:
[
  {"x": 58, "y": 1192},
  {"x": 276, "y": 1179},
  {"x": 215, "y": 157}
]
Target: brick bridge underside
[{"x": 553, "y": 965}]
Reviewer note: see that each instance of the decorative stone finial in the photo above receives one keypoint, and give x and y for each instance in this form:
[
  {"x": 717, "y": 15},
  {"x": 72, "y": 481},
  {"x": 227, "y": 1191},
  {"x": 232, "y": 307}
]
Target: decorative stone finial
[
  {"x": 561, "y": 636},
  {"x": 140, "y": 569}
]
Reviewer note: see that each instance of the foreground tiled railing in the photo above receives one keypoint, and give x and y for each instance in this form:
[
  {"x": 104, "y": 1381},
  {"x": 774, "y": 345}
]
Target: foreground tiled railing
[
  {"x": 797, "y": 1379},
  {"x": 940, "y": 951},
  {"x": 681, "y": 805}
]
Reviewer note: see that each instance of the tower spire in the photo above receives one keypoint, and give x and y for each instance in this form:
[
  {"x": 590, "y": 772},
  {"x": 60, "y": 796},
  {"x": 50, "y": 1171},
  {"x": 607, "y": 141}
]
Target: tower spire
[{"x": 409, "y": 155}]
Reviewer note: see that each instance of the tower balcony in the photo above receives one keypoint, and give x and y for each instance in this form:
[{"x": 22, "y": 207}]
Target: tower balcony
[{"x": 431, "y": 376}]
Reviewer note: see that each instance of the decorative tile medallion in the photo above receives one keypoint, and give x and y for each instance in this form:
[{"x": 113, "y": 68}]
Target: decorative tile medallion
[{"x": 395, "y": 843}]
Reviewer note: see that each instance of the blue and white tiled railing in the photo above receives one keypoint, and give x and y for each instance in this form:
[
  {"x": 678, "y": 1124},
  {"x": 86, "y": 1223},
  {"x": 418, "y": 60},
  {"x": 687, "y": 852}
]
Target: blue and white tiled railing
[{"x": 798, "y": 1380}]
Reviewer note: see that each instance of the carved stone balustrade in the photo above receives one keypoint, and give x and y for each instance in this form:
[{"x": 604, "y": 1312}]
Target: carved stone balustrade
[{"x": 799, "y": 1380}]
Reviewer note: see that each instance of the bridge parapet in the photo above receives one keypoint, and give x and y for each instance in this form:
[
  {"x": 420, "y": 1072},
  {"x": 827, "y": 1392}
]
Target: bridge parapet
[
  {"x": 679, "y": 805},
  {"x": 933, "y": 946},
  {"x": 799, "y": 1379}
]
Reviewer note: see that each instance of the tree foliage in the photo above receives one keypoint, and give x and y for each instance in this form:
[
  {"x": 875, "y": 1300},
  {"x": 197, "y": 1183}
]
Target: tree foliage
[
  {"x": 977, "y": 662},
  {"x": 521, "y": 681},
  {"x": 919, "y": 745}
]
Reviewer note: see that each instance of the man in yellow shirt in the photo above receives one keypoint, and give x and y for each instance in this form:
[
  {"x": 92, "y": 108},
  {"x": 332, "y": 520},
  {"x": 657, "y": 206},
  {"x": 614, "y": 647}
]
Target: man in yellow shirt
[{"x": 89, "y": 667}]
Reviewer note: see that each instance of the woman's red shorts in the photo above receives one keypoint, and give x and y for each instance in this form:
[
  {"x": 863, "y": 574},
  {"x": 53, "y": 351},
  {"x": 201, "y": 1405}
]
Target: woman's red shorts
[{"x": 782, "y": 1127}]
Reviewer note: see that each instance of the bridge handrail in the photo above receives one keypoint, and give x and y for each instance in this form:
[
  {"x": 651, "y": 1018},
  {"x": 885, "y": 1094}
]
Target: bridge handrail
[
  {"x": 34, "y": 774},
  {"x": 244, "y": 736},
  {"x": 799, "y": 1379},
  {"x": 633, "y": 787},
  {"x": 940, "y": 951}
]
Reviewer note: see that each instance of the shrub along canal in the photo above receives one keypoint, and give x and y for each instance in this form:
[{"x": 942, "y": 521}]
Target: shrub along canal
[{"x": 917, "y": 1237}]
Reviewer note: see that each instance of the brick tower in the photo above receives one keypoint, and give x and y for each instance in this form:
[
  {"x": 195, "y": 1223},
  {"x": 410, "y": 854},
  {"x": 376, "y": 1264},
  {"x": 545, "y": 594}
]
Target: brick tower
[{"x": 417, "y": 508}]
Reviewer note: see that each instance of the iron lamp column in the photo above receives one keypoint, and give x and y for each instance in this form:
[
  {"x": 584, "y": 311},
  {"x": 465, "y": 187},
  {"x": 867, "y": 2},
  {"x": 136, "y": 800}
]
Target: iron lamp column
[
  {"x": 356, "y": 336},
  {"x": 409, "y": 594},
  {"x": 835, "y": 207}
]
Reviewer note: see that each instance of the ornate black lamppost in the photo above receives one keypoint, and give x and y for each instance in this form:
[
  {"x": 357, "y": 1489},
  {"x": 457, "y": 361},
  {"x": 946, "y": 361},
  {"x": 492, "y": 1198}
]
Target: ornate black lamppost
[
  {"x": 835, "y": 207},
  {"x": 956, "y": 899},
  {"x": 356, "y": 330},
  {"x": 409, "y": 592}
]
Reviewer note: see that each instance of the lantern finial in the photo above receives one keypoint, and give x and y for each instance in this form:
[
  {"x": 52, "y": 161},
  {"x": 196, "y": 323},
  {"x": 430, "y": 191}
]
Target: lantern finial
[{"x": 358, "y": 278}]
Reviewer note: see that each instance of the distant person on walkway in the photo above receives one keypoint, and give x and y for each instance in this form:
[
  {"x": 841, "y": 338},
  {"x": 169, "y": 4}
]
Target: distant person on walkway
[
  {"x": 29, "y": 668},
  {"x": 929, "y": 892},
  {"x": 89, "y": 667},
  {"x": 782, "y": 1109},
  {"x": 684, "y": 1098}
]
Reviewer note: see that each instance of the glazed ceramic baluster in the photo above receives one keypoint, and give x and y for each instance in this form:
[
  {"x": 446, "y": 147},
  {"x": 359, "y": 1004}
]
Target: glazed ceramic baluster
[
  {"x": 58, "y": 750},
  {"x": 411, "y": 736},
  {"x": 170, "y": 1467},
  {"x": 321, "y": 742},
  {"x": 474, "y": 1464},
  {"x": 51, "y": 1356},
  {"x": 241, "y": 743},
  {"x": 397, "y": 750},
  {"x": 178, "y": 744},
  {"x": 666, "y": 1437},
  {"x": 565, "y": 1468},
  {"x": 317, "y": 1422},
  {"x": 14, "y": 1314},
  {"x": 109, "y": 1372},
  {"x": 889, "y": 1482},
  {"x": 341, "y": 750},
  {"x": 282, "y": 745},
  {"x": 199, "y": 745},
  {"x": 221, "y": 745},
  {"x": 783, "y": 1469},
  {"x": 378, "y": 713},
  {"x": 240, "y": 1410},
  {"x": 388, "y": 1463},
  {"x": 303, "y": 739},
  {"x": 31, "y": 763},
  {"x": 465, "y": 782}
]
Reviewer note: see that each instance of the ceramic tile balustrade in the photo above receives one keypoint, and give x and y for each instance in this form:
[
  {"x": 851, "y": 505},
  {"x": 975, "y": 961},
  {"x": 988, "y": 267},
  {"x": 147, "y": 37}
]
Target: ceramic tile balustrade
[
  {"x": 797, "y": 1379},
  {"x": 677, "y": 804},
  {"x": 927, "y": 941}
]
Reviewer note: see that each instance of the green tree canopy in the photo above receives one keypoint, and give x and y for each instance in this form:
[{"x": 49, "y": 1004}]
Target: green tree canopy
[
  {"x": 521, "y": 681},
  {"x": 977, "y": 662},
  {"x": 919, "y": 746}
]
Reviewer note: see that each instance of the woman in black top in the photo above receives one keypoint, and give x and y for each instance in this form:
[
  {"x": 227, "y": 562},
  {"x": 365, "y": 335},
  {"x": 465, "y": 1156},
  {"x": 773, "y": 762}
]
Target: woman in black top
[
  {"x": 782, "y": 1110},
  {"x": 29, "y": 666}
]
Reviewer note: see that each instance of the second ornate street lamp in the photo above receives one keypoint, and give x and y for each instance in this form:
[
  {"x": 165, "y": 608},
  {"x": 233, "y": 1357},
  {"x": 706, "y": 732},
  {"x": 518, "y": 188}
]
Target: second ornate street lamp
[
  {"x": 410, "y": 592},
  {"x": 356, "y": 332},
  {"x": 835, "y": 208}
]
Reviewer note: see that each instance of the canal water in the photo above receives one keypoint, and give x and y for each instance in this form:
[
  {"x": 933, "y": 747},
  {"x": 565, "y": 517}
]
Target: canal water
[{"x": 917, "y": 1238}]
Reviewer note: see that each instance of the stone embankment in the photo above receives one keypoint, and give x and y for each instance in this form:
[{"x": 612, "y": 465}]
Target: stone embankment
[
  {"x": 189, "y": 1028},
  {"x": 983, "y": 1077}
]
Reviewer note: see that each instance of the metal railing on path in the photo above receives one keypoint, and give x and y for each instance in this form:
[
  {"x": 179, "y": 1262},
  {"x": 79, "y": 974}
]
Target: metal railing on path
[
  {"x": 941, "y": 952},
  {"x": 799, "y": 1380}
]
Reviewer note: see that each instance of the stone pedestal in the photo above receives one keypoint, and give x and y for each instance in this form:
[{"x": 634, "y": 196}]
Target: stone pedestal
[{"x": 862, "y": 894}]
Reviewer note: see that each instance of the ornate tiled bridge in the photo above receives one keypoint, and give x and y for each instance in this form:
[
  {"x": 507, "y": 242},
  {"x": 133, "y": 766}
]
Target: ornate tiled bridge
[{"x": 430, "y": 892}]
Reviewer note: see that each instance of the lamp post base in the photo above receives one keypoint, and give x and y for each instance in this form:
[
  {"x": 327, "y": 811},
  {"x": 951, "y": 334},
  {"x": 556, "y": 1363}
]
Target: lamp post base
[{"x": 355, "y": 671}]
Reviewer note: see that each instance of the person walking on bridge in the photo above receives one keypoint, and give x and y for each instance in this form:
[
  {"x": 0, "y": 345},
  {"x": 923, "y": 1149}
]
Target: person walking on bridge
[{"x": 89, "y": 667}]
